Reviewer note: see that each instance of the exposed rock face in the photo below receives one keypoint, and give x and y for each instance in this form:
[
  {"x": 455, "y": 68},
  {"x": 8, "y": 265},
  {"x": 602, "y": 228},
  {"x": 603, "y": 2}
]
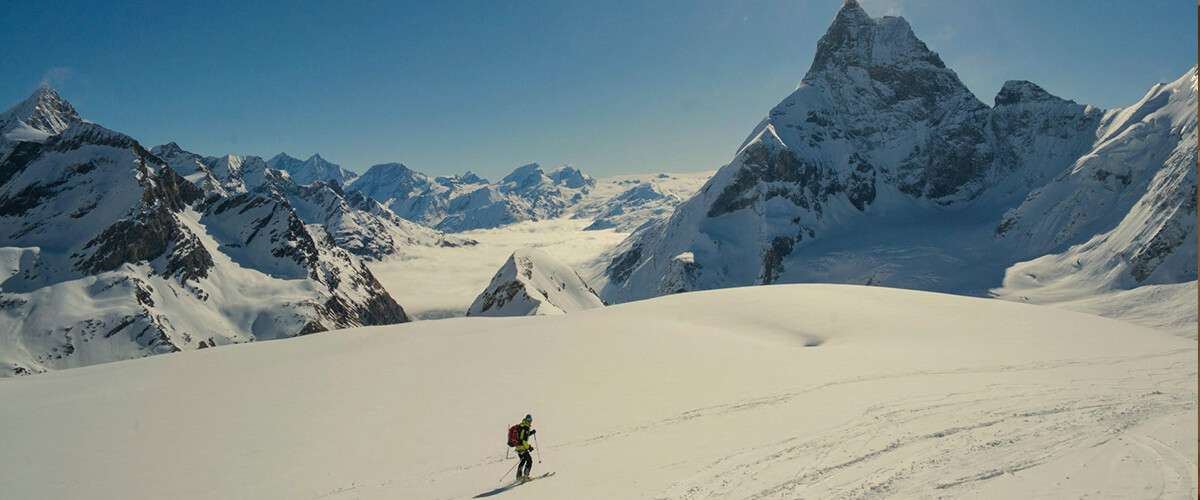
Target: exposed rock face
[
  {"x": 533, "y": 283},
  {"x": 882, "y": 168},
  {"x": 357, "y": 223},
  {"x": 109, "y": 253}
]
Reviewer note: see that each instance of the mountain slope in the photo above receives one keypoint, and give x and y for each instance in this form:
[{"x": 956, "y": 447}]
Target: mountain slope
[
  {"x": 532, "y": 283},
  {"x": 108, "y": 253},
  {"x": 883, "y": 169},
  {"x": 833, "y": 391},
  {"x": 1141, "y": 173}
]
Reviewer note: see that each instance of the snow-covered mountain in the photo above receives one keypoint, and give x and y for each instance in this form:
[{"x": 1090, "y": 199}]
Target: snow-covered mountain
[
  {"x": 533, "y": 283},
  {"x": 111, "y": 254},
  {"x": 635, "y": 207},
  {"x": 773, "y": 393},
  {"x": 313, "y": 169},
  {"x": 882, "y": 168},
  {"x": 466, "y": 202},
  {"x": 35, "y": 119},
  {"x": 356, "y": 223}
]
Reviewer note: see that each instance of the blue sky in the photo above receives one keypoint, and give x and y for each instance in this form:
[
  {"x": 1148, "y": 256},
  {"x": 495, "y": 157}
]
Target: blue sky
[{"x": 608, "y": 86}]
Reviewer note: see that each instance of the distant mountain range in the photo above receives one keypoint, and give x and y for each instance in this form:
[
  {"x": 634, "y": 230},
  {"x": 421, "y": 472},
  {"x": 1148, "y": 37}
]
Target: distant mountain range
[
  {"x": 114, "y": 251},
  {"x": 882, "y": 168}
]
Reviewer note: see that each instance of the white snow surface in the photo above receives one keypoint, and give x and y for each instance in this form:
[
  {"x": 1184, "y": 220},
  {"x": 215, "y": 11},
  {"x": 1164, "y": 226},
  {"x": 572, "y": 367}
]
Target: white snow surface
[
  {"x": 785, "y": 391},
  {"x": 533, "y": 283}
]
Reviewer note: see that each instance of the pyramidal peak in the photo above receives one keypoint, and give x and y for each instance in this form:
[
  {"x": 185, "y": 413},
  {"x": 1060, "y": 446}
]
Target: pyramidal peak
[
  {"x": 854, "y": 39},
  {"x": 852, "y": 13},
  {"x": 1018, "y": 91},
  {"x": 44, "y": 110}
]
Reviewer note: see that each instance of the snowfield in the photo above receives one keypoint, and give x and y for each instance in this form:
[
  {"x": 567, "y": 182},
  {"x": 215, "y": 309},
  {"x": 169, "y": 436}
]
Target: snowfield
[{"x": 790, "y": 391}]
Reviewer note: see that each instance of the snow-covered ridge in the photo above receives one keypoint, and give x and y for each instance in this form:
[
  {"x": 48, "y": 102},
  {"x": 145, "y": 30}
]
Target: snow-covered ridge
[
  {"x": 313, "y": 169},
  {"x": 532, "y": 283}
]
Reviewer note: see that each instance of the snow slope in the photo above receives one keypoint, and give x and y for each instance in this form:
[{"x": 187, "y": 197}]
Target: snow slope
[
  {"x": 532, "y": 283},
  {"x": 794, "y": 391}
]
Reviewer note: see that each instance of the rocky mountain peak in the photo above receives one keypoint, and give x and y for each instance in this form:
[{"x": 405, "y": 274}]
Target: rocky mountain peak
[
  {"x": 571, "y": 177},
  {"x": 856, "y": 40},
  {"x": 282, "y": 157},
  {"x": 525, "y": 174},
  {"x": 1021, "y": 91},
  {"x": 472, "y": 178},
  {"x": 44, "y": 111},
  {"x": 169, "y": 149}
]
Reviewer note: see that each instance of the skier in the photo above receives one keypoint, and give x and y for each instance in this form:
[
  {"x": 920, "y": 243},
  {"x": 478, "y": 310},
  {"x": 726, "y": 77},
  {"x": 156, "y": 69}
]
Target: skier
[{"x": 524, "y": 449}]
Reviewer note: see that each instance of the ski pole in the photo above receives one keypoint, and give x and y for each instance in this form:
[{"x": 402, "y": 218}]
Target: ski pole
[
  {"x": 509, "y": 470},
  {"x": 539, "y": 448}
]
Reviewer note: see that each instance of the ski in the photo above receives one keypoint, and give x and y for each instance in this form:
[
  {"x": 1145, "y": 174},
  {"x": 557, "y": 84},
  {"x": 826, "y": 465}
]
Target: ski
[{"x": 543, "y": 476}]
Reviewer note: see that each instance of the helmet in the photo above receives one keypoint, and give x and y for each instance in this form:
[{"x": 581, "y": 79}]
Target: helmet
[{"x": 529, "y": 418}]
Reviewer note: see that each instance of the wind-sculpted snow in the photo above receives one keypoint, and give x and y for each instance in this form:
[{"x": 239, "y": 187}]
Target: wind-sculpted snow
[
  {"x": 779, "y": 392},
  {"x": 882, "y": 168}
]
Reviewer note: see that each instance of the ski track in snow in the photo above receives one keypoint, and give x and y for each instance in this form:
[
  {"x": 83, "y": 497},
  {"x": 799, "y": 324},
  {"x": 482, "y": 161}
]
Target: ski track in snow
[
  {"x": 882, "y": 454},
  {"x": 903, "y": 448}
]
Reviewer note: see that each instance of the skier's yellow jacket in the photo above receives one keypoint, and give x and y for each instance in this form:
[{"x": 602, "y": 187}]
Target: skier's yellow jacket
[{"x": 526, "y": 431}]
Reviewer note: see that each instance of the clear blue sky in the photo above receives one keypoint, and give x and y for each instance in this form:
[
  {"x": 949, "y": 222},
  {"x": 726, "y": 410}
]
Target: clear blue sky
[{"x": 610, "y": 86}]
